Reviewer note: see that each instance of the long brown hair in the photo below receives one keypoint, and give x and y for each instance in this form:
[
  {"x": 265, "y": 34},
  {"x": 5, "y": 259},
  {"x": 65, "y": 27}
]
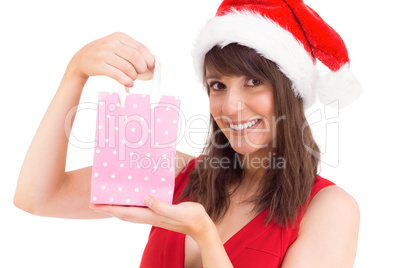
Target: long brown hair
[{"x": 283, "y": 190}]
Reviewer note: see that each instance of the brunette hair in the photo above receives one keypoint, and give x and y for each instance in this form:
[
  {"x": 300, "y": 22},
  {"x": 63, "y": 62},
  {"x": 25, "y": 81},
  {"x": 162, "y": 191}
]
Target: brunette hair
[{"x": 283, "y": 190}]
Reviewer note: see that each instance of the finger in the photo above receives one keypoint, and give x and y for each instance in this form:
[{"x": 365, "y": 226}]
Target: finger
[
  {"x": 133, "y": 56},
  {"x": 137, "y": 215},
  {"x": 160, "y": 207},
  {"x": 148, "y": 56},
  {"x": 116, "y": 74},
  {"x": 132, "y": 214},
  {"x": 148, "y": 75},
  {"x": 140, "y": 215},
  {"x": 122, "y": 64}
]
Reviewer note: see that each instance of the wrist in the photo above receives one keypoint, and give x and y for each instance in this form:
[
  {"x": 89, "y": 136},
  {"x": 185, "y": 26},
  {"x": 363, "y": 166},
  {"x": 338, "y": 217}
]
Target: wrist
[
  {"x": 213, "y": 252},
  {"x": 74, "y": 72},
  {"x": 74, "y": 78},
  {"x": 207, "y": 234}
]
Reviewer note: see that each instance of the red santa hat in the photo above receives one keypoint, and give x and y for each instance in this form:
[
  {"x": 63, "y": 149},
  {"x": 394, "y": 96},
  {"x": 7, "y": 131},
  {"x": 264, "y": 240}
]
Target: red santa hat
[{"x": 292, "y": 35}]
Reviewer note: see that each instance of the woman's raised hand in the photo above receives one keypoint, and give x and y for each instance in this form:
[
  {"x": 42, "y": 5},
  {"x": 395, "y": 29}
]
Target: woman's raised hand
[
  {"x": 118, "y": 56},
  {"x": 44, "y": 187}
]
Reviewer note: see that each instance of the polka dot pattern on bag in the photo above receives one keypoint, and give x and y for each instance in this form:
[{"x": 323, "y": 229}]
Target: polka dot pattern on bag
[{"x": 135, "y": 149}]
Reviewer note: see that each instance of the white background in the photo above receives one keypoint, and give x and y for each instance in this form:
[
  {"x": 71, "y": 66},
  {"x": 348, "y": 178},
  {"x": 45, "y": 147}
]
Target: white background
[{"x": 38, "y": 38}]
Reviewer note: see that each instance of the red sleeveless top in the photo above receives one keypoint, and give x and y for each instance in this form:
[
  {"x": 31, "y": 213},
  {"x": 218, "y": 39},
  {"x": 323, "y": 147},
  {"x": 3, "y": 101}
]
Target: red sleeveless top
[{"x": 255, "y": 245}]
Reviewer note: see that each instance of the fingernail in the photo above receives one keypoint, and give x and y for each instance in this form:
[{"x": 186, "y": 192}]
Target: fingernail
[
  {"x": 148, "y": 201},
  {"x": 94, "y": 208}
]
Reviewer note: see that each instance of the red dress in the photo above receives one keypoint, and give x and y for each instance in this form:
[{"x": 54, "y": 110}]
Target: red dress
[{"x": 255, "y": 245}]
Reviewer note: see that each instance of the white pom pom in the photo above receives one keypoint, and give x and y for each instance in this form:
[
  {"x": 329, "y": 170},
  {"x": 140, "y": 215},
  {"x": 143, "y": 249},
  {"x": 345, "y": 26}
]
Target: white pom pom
[{"x": 341, "y": 86}]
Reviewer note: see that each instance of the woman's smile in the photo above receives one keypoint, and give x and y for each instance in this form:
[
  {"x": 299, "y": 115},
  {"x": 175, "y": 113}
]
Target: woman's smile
[
  {"x": 240, "y": 128},
  {"x": 243, "y": 107}
]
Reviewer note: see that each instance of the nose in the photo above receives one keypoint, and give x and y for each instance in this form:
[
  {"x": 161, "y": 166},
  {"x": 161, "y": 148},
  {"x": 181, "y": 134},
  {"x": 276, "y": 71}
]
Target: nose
[{"x": 233, "y": 103}]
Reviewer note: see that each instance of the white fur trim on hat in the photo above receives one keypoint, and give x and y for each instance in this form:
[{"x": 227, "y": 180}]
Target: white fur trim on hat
[
  {"x": 341, "y": 86},
  {"x": 267, "y": 38}
]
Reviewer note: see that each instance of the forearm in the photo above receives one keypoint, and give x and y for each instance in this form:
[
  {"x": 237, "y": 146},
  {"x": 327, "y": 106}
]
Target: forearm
[
  {"x": 212, "y": 251},
  {"x": 43, "y": 169}
]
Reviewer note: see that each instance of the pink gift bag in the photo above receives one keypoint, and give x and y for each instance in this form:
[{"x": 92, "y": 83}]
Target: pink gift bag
[{"x": 135, "y": 147}]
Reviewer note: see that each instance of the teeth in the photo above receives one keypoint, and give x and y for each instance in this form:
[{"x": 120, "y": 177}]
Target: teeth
[{"x": 244, "y": 126}]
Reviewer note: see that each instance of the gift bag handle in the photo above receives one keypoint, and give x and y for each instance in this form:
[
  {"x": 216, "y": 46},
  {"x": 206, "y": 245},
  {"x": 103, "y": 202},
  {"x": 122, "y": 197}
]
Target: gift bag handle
[{"x": 155, "y": 88}]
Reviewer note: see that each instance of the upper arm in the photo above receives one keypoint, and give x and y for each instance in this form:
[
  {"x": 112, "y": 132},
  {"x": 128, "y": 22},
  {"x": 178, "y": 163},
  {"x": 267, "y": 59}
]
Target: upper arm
[
  {"x": 328, "y": 232},
  {"x": 73, "y": 198}
]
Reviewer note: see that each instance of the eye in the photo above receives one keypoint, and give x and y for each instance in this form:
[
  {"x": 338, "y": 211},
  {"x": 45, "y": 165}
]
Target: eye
[
  {"x": 216, "y": 86},
  {"x": 253, "y": 82}
]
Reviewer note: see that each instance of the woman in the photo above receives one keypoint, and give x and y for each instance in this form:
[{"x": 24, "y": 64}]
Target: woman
[{"x": 253, "y": 199}]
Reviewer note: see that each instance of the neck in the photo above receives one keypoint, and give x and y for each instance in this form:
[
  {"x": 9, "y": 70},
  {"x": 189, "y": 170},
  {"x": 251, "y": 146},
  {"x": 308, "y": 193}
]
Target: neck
[
  {"x": 256, "y": 163},
  {"x": 254, "y": 167}
]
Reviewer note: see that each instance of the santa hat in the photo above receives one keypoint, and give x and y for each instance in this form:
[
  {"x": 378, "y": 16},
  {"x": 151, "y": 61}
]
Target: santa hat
[{"x": 292, "y": 35}]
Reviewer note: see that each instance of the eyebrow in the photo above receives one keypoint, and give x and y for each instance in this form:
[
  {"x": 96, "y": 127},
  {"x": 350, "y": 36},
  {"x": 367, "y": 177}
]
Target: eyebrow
[{"x": 212, "y": 76}]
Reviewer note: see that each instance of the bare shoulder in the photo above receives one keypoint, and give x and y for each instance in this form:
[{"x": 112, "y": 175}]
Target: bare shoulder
[
  {"x": 329, "y": 203},
  {"x": 328, "y": 232},
  {"x": 182, "y": 160}
]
